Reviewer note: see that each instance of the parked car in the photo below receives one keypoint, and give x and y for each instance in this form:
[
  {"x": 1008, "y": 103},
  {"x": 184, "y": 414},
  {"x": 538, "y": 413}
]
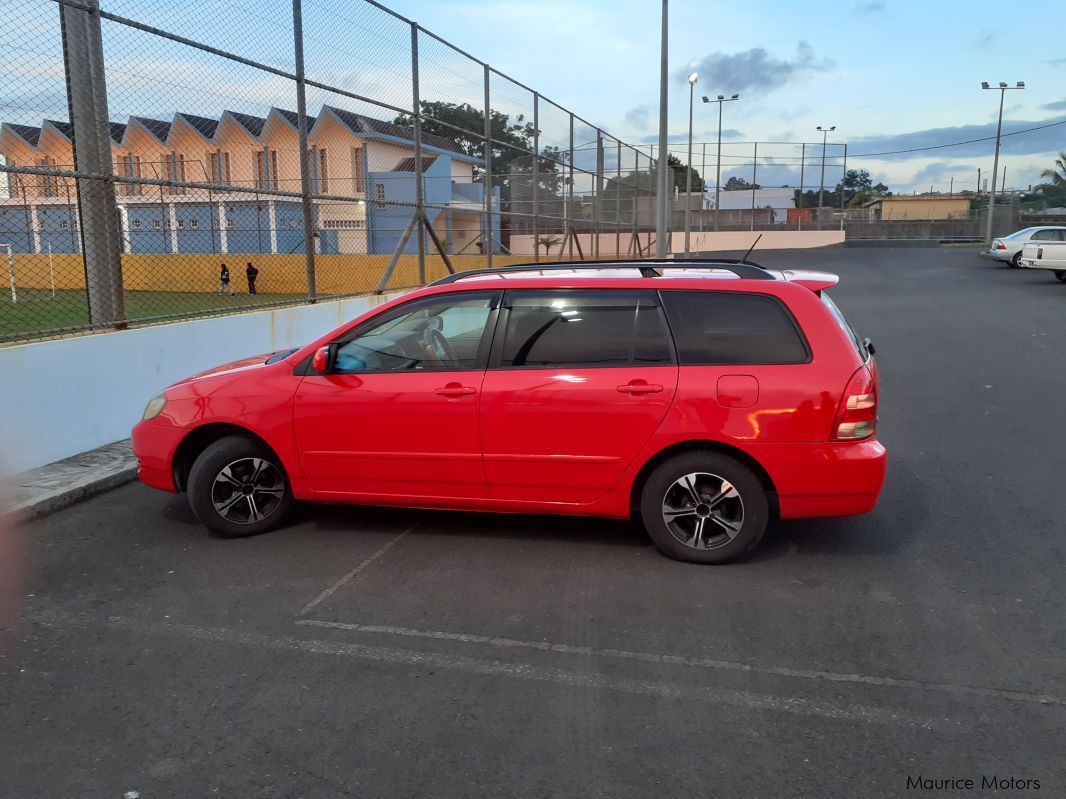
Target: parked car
[
  {"x": 700, "y": 399},
  {"x": 1046, "y": 255},
  {"x": 1009, "y": 248}
]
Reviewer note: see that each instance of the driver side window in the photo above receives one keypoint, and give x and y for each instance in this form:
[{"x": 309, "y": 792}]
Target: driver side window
[{"x": 433, "y": 334}]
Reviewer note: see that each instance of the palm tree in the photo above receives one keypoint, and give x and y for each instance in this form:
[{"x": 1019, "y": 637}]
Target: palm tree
[
  {"x": 1057, "y": 176},
  {"x": 547, "y": 242}
]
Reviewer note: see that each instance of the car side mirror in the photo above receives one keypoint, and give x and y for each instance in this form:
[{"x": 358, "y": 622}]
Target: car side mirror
[
  {"x": 869, "y": 345},
  {"x": 324, "y": 359}
]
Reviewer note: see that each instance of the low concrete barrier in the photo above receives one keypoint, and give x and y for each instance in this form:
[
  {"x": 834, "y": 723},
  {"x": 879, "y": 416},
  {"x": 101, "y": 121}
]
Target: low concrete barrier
[{"x": 72, "y": 395}]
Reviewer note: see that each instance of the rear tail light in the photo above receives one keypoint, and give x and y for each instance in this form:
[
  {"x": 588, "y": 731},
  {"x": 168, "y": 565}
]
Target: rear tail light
[
  {"x": 857, "y": 415},
  {"x": 1000, "y": 245}
]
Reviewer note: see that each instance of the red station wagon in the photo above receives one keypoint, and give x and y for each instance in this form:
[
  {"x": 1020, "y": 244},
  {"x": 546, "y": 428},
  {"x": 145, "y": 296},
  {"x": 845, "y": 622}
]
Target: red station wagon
[{"x": 701, "y": 399}]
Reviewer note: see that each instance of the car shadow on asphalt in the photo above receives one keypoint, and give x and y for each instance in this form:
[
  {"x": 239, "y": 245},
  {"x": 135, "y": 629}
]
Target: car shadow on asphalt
[{"x": 889, "y": 528}]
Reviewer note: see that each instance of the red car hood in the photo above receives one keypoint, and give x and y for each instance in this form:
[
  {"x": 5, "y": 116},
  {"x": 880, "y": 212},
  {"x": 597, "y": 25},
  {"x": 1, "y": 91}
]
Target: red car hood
[{"x": 234, "y": 366}]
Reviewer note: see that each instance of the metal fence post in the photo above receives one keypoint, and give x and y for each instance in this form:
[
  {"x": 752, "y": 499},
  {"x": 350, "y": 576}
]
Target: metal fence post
[
  {"x": 305, "y": 172},
  {"x": 801, "y": 202},
  {"x": 101, "y": 234},
  {"x": 618, "y": 203},
  {"x": 754, "y": 166},
  {"x": 487, "y": 239},
  {"x": 420, "y": 209},
  {"x": 536, "y": 176},
  {"x": 599, "y": 193},
  {"x": 569, "y": 215},
  {"x": 845, "y": 176}
]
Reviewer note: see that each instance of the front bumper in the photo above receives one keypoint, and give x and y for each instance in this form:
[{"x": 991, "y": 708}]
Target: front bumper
[
  {"x": 831, "y": 479},
  {"x": 154, "y": 446}
]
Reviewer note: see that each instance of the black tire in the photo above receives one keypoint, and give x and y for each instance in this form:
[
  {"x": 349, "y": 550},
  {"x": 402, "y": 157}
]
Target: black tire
[
  {"x": 1061, "y": 274},
  {"x": 1015, "y": 262},
  {"x": 663, "y": 488},
  {"x": 223, "y": 473}
]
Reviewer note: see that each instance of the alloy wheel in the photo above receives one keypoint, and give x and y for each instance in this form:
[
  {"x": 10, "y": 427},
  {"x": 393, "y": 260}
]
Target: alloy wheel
[
  {"x": 247, "y": 490},
  {"x": 703, "y": 511}
]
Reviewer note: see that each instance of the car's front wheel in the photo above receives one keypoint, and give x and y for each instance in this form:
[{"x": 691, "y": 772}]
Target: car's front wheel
[
  {"x": 1061, "y": 274},
  {"x": 704, "y": 507},
  {"x": 237, "y": 487}
]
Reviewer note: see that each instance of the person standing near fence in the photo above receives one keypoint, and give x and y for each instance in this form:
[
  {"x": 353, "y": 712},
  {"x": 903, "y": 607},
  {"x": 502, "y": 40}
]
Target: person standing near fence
[
  {"x": 223, "y": 281},
  {"x": 252, "y": 273}
]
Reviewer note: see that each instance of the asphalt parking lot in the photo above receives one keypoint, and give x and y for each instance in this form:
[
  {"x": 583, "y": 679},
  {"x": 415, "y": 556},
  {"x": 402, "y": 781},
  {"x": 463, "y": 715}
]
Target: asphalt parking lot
[{"x": 382, "y": 653}]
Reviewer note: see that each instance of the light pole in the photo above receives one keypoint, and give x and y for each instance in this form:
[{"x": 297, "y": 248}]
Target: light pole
[
  {"x": 821, "y": 182},
  {"x": 688, "y": 164},
  {"x": 661, "y": 215},
  {"x": 1002, "y": 88},
  {"x": 718, "y": 167}
]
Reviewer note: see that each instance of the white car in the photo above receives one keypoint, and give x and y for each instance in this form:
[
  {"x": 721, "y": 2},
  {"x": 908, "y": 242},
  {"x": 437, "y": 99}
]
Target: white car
[
  {"x": 1046, "y": 255},
  {"x": 1009, "y": 248}
]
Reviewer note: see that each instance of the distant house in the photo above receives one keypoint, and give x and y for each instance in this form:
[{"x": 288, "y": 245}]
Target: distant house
[
  {"x": 778, "y": 200},
  {"x": 362, "y": 168},
  {"x": 919, "y": 206}
]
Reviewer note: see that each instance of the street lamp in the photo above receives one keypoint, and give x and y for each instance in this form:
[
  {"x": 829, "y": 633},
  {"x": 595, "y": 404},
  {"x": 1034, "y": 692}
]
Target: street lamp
[
  {"x": 688, "y": 164},
  {"x": 821, "y": 183},
  {"x": 1002, "y": 89},
  {"x": 718, "y": 168}
]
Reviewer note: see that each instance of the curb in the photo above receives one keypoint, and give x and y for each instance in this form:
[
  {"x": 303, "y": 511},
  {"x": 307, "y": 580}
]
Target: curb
[
  {"x": 43, "y": 505},
  {"x": 59, "y": 485}
]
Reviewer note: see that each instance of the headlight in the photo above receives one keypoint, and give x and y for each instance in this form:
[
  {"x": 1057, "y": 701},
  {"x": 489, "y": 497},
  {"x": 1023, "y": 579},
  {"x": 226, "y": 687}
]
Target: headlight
[{"x": 155, "y": 406}]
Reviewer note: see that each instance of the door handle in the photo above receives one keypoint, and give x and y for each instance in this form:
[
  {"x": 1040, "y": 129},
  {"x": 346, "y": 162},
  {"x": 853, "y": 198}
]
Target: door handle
[
  {"x": 454, "y": 391},
  {"x": 640, "y": 388}
]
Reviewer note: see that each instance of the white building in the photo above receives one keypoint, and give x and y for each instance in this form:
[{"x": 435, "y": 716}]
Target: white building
[{"x": 779, "y": 200}]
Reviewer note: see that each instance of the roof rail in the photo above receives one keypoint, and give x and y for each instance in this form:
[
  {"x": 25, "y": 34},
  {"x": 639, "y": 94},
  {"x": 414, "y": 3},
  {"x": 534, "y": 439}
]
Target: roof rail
[{"x": 649, "y": 267}]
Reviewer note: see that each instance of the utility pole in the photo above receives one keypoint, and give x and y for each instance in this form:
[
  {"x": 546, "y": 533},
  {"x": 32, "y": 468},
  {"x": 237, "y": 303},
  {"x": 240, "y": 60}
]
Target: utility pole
[
  {"x": 1003, "y": 87},
  {"x": 821, "y": 183}
]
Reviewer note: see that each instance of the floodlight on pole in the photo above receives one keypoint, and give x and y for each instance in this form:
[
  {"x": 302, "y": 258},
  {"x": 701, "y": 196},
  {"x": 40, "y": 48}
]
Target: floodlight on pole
[
  {"x": 718, "y": 166},
  {"x": 688, "y": 164},
  {"x": 821, "y": 183},
  {"x": 1002, "y": 89}
]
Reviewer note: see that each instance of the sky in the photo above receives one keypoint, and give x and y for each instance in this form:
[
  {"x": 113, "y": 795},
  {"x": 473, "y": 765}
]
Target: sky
[{"x": 888, "y": 74}]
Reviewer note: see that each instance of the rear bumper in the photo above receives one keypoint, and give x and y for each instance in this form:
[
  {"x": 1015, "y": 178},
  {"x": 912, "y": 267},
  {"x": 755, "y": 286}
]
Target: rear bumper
[
  {"x": 154, "y": 446},
  {"x": 996, "y": 255},
  {"x": 831, "y": 479}
]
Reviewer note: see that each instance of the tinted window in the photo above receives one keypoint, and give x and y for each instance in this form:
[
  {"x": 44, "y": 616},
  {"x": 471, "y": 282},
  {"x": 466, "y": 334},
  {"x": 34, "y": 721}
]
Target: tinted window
[
  {"x": 845, "y": 326},
  {"x": 713, "y": 328},
  {"x": 586, "y": 328},
  {"x": 439, "y": 333},
  {"x": 1047, "y": 235}
]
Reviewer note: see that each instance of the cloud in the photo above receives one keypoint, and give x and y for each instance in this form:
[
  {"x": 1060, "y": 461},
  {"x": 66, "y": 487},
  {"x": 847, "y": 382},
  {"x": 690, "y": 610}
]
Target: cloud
[
  {"x": 873, "y": 7},
  {"x": 639, "y": 116},
  {"x": 1046, "y": 140},
  {"x": 755, "y": 69},
  {"x": 939, "y": 171},
  {"x": 1058, "y": 105},
  {"x": 1056, "y": 62},
  {"x": 700, "y": 136}
]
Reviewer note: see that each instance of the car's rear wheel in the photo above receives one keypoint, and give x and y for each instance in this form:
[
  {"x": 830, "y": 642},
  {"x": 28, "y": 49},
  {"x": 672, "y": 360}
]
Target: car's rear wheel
[
  {"x": 1016, "y": 261},
  {"x": 704, "y": 507},
  {"x": 237, "y": 487},
  {"x": 1061, "y": 274}
]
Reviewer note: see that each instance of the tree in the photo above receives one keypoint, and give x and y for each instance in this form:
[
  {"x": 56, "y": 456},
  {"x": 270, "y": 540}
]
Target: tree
[
  {"x": 1057, "y": 174},
  {"x": 678, "y": 170},
  {"x": 547, "y": 242},
  {"x": 739, "y": 184},
  {"x": 464, "y": 126}
]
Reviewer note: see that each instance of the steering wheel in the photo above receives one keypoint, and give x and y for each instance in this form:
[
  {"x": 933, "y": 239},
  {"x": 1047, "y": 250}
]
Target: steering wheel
[{"x": 437, "y": 346}]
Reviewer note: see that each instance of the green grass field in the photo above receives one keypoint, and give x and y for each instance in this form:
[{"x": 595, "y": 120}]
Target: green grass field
[{"x": 37, "y": 312}]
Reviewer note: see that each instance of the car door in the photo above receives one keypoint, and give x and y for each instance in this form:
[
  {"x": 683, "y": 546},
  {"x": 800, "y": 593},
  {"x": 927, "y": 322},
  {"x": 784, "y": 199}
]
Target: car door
[
  {"x": 578, "y": 382},
  {"x": 397, "y": 414}
]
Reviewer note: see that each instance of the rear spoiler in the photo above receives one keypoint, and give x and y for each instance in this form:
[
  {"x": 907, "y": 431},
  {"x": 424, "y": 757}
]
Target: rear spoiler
[{"x": 815, "y": 281}]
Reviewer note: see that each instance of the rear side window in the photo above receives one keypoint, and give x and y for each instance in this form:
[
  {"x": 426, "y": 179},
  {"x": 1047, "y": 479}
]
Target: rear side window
[
  {"x": 848, "y": 330},
  {"x": 718, "y": 328},
  {"x": 584, "y": 328}
]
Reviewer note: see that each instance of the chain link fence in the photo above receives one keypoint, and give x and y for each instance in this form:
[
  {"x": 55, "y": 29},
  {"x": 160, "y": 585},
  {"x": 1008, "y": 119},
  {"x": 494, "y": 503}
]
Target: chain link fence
[{"x": 165, "y": 162}]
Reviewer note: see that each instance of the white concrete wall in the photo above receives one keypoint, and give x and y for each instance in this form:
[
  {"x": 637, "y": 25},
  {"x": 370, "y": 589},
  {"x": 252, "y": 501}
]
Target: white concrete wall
[{"x": 72, "y": 395}]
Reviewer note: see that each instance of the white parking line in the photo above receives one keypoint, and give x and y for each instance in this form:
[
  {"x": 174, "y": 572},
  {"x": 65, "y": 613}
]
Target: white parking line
[
  {"x": 707, "y": 663},
  {"x": 849, "y": 712},
  {"x": 353, "y": 573}
]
